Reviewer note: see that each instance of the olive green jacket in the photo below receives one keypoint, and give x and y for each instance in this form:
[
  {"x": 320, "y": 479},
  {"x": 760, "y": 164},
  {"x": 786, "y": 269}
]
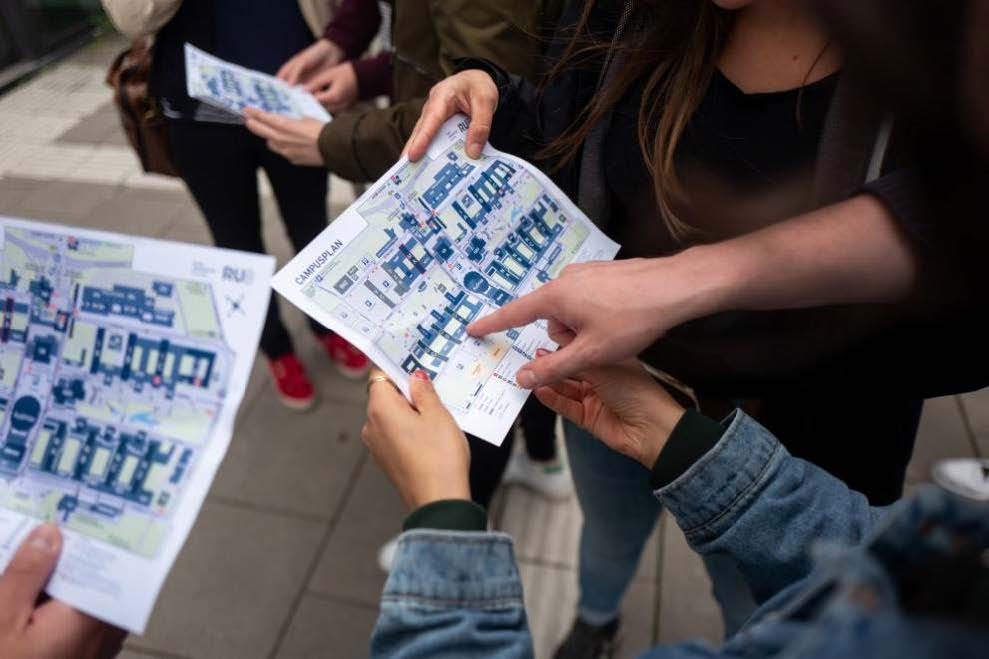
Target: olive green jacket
[{"x": 428, "y": 35}]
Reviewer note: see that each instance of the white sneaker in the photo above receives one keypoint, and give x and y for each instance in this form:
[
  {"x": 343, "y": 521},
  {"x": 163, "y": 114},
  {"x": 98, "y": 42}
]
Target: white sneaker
[
  {"x": 386, "y": 555},
  {"x": 967, "y": 477},
  {"x": 550, "y": 479}
]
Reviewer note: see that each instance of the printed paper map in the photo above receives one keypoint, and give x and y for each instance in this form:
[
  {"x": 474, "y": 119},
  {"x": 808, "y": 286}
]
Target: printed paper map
[
  {"x": 433, "y": 246},
  {"x": 232, "y": 87},
  {"x": 122, "y": 363}
]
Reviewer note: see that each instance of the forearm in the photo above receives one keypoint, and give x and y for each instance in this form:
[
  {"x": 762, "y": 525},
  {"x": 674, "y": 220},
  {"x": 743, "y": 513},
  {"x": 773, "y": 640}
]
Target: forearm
[{"x": 847, "y": 253}]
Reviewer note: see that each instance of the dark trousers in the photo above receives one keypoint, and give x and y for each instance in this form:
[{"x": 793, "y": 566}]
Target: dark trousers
[
  {"x": 487, "y": 461},
  {"x": 864, "y": 438},
  {"x": 219, "y": 164}
]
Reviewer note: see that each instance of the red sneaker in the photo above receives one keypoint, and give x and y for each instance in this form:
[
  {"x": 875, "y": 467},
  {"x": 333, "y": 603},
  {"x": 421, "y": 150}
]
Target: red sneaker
[
  {"x": 351, "y": 362},
  {"x": 293, "y": 386}
]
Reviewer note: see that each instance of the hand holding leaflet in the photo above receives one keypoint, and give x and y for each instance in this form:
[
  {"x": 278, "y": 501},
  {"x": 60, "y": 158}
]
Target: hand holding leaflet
[
  {"x": 232, "y": 87},
  {"x": 431, "y": 247}
]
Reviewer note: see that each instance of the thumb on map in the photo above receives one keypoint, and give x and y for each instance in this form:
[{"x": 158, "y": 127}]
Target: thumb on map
[{"x": 424, "y": 395}]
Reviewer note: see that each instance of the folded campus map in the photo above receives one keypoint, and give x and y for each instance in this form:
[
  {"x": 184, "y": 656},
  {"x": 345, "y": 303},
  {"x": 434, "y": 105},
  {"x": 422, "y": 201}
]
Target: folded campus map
[
  {"x": 429, "y": 248},
  {"x": 231, "y": 87}
]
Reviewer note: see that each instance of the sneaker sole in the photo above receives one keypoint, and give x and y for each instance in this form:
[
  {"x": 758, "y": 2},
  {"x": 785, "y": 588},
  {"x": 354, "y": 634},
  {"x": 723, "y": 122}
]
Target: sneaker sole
[
  {"x": 525, "y": 485},
  {"x": 352, "y": 373},
  {"x": 296, "y": 405}
]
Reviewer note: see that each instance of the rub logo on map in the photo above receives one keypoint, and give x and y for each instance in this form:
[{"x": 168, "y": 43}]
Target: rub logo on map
[{"x": 237, "y": 275}]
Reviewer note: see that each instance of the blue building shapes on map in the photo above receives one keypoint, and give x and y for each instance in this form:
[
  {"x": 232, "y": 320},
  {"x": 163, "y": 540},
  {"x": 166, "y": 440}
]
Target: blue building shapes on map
[
  {"x": 525, "y": 246},
  {"x": 447, "y": 178},
  {"x": 447, "y": 330},
  {"x": 126, "y": 301},
  {"x": 476, "y": 283}
]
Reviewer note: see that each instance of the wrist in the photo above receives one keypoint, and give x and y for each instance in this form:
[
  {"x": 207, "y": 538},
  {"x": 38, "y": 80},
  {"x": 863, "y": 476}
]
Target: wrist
[
  {"x": 441, "y": 491},
  {"x": 711, "y": 275},
  {"x": 330, "y": 49},
  {"x": 666, "y": 417}
]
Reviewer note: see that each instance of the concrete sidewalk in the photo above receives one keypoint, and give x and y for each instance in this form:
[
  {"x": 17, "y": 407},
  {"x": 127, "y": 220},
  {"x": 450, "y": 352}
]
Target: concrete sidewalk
[{"x": 282, "y": 560}]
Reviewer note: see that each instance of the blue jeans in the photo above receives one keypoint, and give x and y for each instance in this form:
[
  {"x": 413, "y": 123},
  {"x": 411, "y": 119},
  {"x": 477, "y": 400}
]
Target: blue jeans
[{"x": 620, "y": 512}]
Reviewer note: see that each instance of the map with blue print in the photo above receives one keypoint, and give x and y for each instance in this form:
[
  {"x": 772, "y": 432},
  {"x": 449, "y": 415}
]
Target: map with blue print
[
  {"x": 231, "y": 87},
  {"x": 429, "y": 248},
  {"x": 110, "y": 383}
]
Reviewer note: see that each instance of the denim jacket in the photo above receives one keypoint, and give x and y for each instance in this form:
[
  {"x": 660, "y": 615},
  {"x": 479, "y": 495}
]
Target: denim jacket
[{"x": 834, "y": 576}]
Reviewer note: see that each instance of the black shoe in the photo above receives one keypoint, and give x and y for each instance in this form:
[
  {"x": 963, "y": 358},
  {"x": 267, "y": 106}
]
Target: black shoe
[{"x": 589, "y": 642}]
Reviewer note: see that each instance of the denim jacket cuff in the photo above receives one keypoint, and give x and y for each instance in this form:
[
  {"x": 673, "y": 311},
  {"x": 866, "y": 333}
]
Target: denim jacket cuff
[
  {"x": 454, "y": 569},
  {"x": 708, "y": 497}
]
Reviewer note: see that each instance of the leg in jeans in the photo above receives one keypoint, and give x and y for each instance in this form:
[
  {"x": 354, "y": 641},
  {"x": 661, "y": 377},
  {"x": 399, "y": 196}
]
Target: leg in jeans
[
  {"x": 219, "y": 164},
  {"x": 301, "y": 196},
  {"x": 619, "y": 514},
  {"x": 731, "y": 592},
  {"x": 539, "y": 427}
]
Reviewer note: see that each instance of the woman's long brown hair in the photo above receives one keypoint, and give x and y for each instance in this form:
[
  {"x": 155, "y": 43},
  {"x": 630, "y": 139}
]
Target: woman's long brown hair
[{"x": 673, "y": 45}]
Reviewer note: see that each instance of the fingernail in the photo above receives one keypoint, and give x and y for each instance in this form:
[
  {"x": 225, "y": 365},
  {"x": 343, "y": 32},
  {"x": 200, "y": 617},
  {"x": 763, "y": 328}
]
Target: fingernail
[
  {"x": 421, "y": 374},
  {"x": 475, "y": 149},
  {"x": 526, "y": 379},
  {"x": 542, "y": 352},
  {"x": 44, "y": 538}
]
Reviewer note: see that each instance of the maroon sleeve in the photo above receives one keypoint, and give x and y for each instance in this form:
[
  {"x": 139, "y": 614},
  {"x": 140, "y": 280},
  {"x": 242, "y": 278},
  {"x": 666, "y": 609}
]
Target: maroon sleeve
[
  {"x": 373, "y": 75},
  {"x": 353, "y": 26}
]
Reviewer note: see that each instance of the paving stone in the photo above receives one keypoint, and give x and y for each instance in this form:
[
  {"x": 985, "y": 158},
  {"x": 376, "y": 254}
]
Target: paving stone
[
  {"x": 14, "y": 190},
  {"x": 188, "y": 227},
  {"x": 942, "y": 434},
  {"x": 686, "y": 606},
  {"x": 139, "y": 179},
  {"x": 95, "y": 128},
  {"x": 544, "y": 531},
  {"x": 234, "y": 582},
  {"x": 64, "y": 201},
  {"x": 325, "y": 628},
  {"x": 638, "y": 620},
  {"x": 292, "y": 461},
  {"x": 103, "y": 50},
  {"x": 348, "y": 568},
  {"x": 31, "y": 129},
  {"x": 273, "y": 233},
  {"x": 551, "y": 604},
  {"x": 142, "y": 212},
  {"x": 258, "y": 383},
  {"x": 117, "y": 138},
  {"x": 109, "y": 164},
  {"x": 132, "y": 653},
  {"x": 977, "y": 408},
  {"x": 56, "y": 162}
]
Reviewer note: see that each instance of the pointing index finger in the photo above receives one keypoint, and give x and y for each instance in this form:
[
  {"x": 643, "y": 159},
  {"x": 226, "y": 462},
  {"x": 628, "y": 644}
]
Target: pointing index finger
[{"x": 516, "y": 313}]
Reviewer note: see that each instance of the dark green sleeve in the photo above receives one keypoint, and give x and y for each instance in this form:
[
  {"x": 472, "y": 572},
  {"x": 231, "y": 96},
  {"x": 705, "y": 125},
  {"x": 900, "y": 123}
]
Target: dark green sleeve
[
  {"x": 448, "y": 515},
  {"x": 693, "y": 436},
  {"x": 362, "y": 143}
]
